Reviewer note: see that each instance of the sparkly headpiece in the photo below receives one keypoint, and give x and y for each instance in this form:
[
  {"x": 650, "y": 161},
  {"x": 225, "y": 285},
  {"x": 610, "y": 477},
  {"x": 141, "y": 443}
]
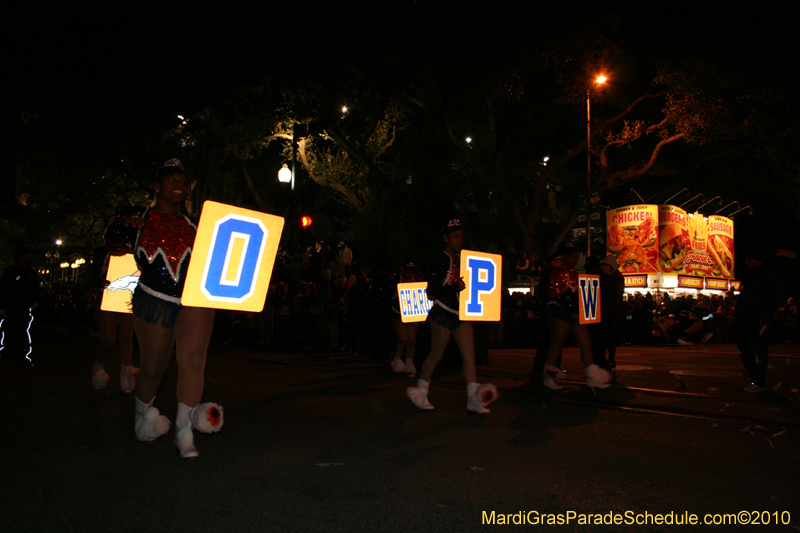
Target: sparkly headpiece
[
  {"x": 173, "y": 163},
  {"x": 453, "y": 225}
]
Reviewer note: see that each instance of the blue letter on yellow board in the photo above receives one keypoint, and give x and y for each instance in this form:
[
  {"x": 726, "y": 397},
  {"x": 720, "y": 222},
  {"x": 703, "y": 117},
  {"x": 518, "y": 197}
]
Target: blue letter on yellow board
[{"x": 232, "y": 258}]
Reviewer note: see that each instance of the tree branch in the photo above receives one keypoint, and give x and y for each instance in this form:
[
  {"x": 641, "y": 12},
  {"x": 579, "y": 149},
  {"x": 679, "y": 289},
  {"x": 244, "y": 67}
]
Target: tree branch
[
  {"x": 338, "y": 187},
  {"x": 624, "y": 175}
]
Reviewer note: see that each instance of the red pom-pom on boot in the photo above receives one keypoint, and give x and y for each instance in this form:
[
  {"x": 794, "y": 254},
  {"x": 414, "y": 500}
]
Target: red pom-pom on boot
[
  {"x": 479, "y": 396},
  {"x": 207, "y": 417}
]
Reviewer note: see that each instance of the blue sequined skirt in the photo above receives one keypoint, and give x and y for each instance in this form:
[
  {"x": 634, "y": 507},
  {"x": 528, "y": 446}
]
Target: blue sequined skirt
[{"x": 154, "y": 310}]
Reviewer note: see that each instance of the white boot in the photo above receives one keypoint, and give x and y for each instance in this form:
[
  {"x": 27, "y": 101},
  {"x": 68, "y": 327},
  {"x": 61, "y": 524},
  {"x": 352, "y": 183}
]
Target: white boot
[
  {"x": 398, "y": 365},
  {"x": 184, "y": 440},
  {"x": 99, "y": 376},
  {"x": 551, "y": 374},
  {"x": 149, "y": 423},
  {"x": 479, "y": 396},
  {"x": 419, "y": 394},
  {"x": 597, "y": 378},
  {"x": 127, "y": 378}
]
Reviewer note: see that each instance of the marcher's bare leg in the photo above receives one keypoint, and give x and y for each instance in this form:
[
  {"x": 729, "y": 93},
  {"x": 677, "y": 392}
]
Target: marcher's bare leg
[
  {"x": 402, "y": 338},
  {"x": 411, "y": 340},
  {"x": 155, "y": 348},
  {"x": 108, "y": 334},
  {"x": 581, "y": 334},
  {"x": 558, "y": 333},
  {"x": 440, "y": 336},
  {"x": 466, "y": 344},
  {"x": 193, "y": 327},
  {"x": 125, "y": 339}
]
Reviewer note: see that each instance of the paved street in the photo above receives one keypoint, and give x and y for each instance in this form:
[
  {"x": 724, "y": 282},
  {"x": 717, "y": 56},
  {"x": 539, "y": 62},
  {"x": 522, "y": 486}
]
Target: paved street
[{"x": 315, "y": 442}]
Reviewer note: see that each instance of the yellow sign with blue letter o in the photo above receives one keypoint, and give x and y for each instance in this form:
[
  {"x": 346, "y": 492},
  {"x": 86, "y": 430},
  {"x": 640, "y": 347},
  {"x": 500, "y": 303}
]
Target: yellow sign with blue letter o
[
  {"x": 413, "y": 301},
  {"x": 481, "y": 299},
  {"x": 232, "y": 258},
  {"x": 589, "y": 297}
]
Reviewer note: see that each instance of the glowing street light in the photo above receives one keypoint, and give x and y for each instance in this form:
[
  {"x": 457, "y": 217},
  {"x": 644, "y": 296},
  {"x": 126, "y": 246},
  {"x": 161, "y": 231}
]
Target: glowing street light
[{"x": 284, "y": 174}]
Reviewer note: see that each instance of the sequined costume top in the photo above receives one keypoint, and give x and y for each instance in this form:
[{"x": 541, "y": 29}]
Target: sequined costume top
[
  {"x": 443, "y": 282},
  {"x": 562, "y": 288},
  {"x": 162, "y": 255}
]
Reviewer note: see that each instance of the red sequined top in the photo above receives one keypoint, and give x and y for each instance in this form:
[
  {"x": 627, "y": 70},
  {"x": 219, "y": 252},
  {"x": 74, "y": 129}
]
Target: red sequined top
[{"x": 163, "y": 254}]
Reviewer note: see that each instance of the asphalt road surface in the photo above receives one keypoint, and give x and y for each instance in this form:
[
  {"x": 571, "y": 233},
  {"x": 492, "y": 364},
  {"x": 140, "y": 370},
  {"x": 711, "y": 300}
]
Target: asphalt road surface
[{"x": 320, "y": 442}]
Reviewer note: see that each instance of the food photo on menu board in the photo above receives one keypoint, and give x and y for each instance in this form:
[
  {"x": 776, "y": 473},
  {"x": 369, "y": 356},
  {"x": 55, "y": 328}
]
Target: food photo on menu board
[
  {"x": 666, "y": 239},
  {"x": 632, "y": 238}
]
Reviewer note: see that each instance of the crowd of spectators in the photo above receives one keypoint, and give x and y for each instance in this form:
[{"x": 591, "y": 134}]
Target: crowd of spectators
[{"x": 325, "y": 282}]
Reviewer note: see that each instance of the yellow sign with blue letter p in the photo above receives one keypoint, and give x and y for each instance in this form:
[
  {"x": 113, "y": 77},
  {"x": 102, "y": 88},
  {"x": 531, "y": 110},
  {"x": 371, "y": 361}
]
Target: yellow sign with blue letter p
[
  {"x": 232, "y": 258},
  {"x": 481, "y": 299}
]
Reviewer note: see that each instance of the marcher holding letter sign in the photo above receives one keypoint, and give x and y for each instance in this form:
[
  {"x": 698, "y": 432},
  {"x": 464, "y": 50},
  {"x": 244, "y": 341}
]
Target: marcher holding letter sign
[
  {"x": 162, "y": 238},
  {"x": 566, "y": 312},
  {"x": 445, "y": 286}
]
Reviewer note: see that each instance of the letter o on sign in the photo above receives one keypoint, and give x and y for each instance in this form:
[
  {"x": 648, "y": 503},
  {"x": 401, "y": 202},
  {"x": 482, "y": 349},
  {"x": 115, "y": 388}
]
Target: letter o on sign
[{"x": 235, "y": 254}]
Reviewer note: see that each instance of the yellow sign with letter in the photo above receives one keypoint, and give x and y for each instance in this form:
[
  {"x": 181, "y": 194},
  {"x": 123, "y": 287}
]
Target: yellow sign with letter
[
  {"x": 122, "y": 277},
  {"x": 589, "y": 298},
  {"x": 232, "y": 258},
  {"x": 481, "y": 299},
  {"x": 413, "y": 301}
]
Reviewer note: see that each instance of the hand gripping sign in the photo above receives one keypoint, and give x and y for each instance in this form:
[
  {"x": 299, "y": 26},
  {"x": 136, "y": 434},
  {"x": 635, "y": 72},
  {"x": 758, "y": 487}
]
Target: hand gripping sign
[
  {"x": 589, "y": 296},
  {"x": 413, "y": 301},
  {"x": 482, "y": 274},
  {"x": 122, "y": 277},
  {"x": 232, "y": 258}
]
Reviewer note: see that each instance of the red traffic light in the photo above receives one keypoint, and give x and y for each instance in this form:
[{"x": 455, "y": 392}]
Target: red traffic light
[{"x": 305, "y": 221}]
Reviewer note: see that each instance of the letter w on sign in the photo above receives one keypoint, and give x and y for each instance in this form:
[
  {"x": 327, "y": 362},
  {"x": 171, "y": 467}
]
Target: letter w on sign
[{"x": 589, "y": 295}]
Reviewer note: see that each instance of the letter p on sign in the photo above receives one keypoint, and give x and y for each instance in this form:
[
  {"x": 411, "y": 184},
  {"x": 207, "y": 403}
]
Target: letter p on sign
[{"x": 482, "y": 273}]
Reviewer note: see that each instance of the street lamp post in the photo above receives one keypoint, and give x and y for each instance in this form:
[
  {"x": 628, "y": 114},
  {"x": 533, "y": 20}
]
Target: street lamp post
[
  {"x": 599, "y": 81},
  {"x": 288, "y": 176}
]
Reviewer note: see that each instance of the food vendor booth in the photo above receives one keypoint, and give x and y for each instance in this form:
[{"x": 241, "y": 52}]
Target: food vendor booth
[{"x": 664, "y": 248}]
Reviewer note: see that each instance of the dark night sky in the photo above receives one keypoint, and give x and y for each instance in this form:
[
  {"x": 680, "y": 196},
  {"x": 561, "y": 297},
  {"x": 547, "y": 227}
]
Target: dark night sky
[{"x": 169, "y": 59}]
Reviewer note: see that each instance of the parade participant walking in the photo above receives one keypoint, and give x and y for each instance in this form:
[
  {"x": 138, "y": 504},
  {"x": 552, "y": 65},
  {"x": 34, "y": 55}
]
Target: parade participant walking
[
  {"x": 403, "y": 361},
  {"x": 19, "y": 290},
  {"x": 162, "y": 246},
  {"x": 444, "y": 285},
  {"x": 562, "y": 318},
  {"x": 110, "y": 322},
  {"x": 754, "y": 317}
]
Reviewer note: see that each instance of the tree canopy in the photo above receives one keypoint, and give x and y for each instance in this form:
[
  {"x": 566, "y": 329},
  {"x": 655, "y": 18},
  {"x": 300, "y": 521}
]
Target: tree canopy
[{"x": 448, "y": 113}]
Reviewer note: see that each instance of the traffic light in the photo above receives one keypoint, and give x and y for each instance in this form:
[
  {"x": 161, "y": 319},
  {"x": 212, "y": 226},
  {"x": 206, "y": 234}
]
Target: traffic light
[{"x": 305, "y": 222}]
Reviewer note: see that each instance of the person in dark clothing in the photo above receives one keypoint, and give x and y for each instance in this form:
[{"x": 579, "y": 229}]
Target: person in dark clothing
[
  {"x": 603, "y": 335},
  {"x": 444, "y": 285},
  {"x": 19, "y": 290},
  {"x": 543, "y": 333},
  {"x": 562, "y": 317},
  {"x": 760, "y": 298}
]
